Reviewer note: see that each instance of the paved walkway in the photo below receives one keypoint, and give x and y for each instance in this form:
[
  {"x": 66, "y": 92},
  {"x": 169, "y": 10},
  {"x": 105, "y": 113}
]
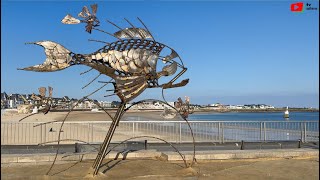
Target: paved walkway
[{"x": 152, "y": 168}]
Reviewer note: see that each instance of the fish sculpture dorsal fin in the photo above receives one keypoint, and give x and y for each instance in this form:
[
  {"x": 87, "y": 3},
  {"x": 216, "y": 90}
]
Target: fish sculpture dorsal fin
[{"x": 133, "y": 33}]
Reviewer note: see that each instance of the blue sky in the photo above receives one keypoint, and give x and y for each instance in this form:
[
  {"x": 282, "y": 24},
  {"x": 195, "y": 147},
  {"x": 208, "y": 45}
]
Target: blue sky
[{"x": 237, "y": 52}]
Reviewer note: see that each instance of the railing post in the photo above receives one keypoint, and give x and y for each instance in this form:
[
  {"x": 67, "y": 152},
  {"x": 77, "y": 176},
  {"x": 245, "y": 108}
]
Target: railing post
[
  {"x": 222, "y": 130},
  {"x": 301, "y": 131},
  {"x": 242, "y": 145},
  {"x": 17, "y": 129},
  {"x": 91, "y": 133},
  {"x": 133, "y": 128},
  {"x": 260, "y": 131},
  {"x": 12, "y": 134},
  {"x": 88, "y": 133},
  {"x": 219, "y": 126},
  {"x": 41, "y": 134},
  {"x": 299, "y": 143},
  {"x": 45, "y": 133},
  {"x": 305, "y": 132},
  {"x": 180, "y": 131},
  {"x": 265, "y": 132},
  {"x": 145, "y": 144}
]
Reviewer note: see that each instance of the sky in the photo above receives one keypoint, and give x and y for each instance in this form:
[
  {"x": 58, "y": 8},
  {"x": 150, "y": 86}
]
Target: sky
[{"x": 236, "y": 52}]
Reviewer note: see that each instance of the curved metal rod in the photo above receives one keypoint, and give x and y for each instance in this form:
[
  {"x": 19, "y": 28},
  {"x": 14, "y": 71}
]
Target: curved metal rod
[
  {"x": 162, "y": 93},
  {"x": 62, "y": 120},
  {"x": 68, "y": 140},
  {"x": 28, "y": 116},
  {"x": 84, "y": 153},
  {"x": 183, "y": 158},
  {"x": 82, "y": 99},
  {"x": 35, "y": 114},
  {"x": 55, "y": 158},
  {"x": 47, "y": 123},
  {"x": 193, "y": 140},
  {"x": 77, "y": 104}
]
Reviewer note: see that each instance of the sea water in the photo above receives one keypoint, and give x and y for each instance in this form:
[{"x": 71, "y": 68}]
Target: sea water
[
  {"x": 284, "y": 128},
  {"x": 259, "y": 116}
]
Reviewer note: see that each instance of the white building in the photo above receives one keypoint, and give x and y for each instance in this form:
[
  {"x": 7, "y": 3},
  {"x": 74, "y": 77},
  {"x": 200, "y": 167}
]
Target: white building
[
  {"x": 269, "y": 107},
  {"x": 105, "y": 104},
  {"x": 152, "y": 105}
]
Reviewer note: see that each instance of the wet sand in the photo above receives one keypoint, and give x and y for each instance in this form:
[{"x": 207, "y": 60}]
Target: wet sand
[{"x": 156, "y": 169}]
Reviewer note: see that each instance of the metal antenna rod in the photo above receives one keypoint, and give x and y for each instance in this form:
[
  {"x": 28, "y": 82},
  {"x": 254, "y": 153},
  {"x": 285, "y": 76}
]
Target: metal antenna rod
[
  {"x": 98, "y": 41},
  {"x": 110, "y": 95},
  {"x": 146, "y": 28},
  {"x": 91, "y": 81},
  {"x": 119, "y": 28},
  {"x": 86, "y": 71},
  {"x": 134, "y": 28},
  {"x": 107, "y": 33},
  {"x": 114, "y": 24}
]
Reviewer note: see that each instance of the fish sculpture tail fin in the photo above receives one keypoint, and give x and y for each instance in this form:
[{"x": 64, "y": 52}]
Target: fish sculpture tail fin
[{"x": 57, "y": 57}]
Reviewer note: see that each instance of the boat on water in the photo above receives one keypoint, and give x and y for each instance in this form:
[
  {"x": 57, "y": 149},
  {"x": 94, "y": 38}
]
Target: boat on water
[{"x": 286, "y": 113}]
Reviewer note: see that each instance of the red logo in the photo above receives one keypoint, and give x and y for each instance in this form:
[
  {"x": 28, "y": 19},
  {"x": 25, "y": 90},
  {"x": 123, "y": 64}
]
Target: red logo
[{"x": 297, "y": 7}]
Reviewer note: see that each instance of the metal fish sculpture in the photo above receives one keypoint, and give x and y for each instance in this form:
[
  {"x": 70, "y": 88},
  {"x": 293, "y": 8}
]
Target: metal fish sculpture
[{"x": 131, "y": 62}]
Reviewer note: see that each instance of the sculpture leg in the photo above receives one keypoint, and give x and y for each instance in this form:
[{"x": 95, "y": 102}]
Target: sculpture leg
[{"x": 107, "y": 140}]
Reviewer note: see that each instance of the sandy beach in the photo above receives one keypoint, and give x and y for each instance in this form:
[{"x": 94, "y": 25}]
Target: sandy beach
[
  {"x": 13, "y": 116},
  {"x": 27, "y": 131}
]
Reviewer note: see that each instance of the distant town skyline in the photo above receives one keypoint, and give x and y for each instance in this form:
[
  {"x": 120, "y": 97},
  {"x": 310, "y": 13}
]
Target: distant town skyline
[
  {"x": 236, "y": 52},
  {"x": 209, "y": 104}
]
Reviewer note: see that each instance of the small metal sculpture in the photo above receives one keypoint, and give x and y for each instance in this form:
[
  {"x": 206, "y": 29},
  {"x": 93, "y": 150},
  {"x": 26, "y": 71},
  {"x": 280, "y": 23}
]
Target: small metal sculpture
[
  {"x": 130, "y": 62},
  {"x": 88, "y": 18},
  {"x": 183, "y": 108},
  {"x": 44, "y": 104},
  {"x": 168, "y": 114}
]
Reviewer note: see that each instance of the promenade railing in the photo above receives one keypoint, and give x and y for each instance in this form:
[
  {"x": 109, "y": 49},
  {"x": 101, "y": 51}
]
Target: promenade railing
[{"x": 31, "y": 133}]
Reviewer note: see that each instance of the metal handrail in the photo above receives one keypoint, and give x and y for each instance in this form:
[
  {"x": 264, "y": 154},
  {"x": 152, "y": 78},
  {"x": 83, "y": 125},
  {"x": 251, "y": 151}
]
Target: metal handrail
[{"x": 191, "y": 121}]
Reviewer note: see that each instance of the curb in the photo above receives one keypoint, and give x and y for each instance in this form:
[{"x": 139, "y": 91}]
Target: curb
[
  {"x": 170, "y": 156},
  {"x": 247, "y": 154}
]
